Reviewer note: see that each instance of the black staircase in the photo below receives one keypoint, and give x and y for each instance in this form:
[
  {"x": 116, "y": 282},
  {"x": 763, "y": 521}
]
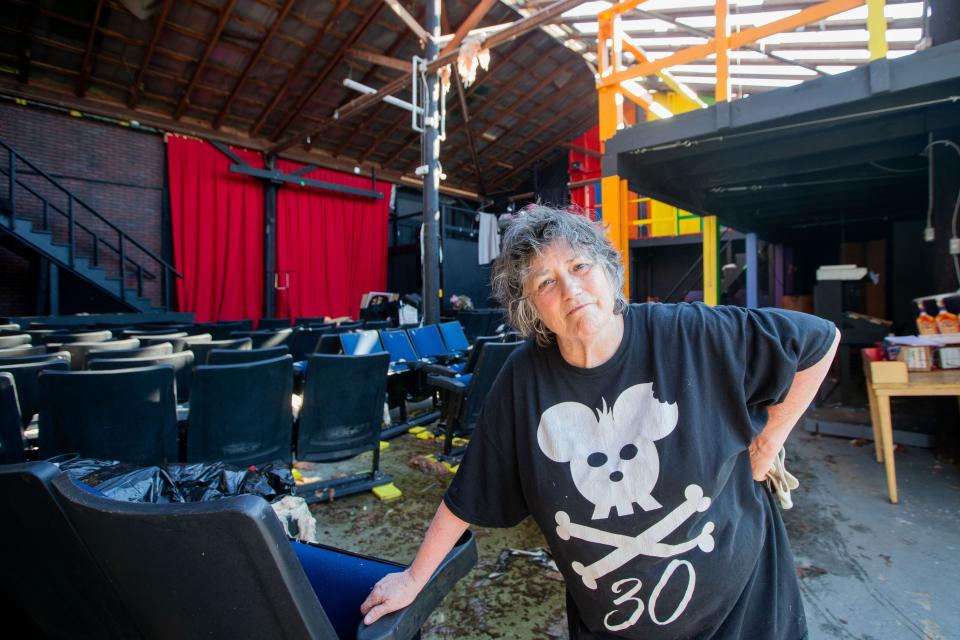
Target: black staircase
[{"x": 45, "y": 216}]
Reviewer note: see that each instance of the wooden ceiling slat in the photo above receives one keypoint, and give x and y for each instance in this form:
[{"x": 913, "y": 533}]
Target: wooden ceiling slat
[
  {"x": 466, "y": 120},
  {"x": 84, "y": 78},
  {"x": 518, "y": 28},
  {"x": 137, "y": 85},
  {"x": 476, "y": 15},
  {"x": 500, "y": 63},
  {"x": 281, "y": 15},
  {"x": 335, "y": 12},
  {"x": 24, "y": 42},
  {"x": 221, "y": 23},
  {"x": 581, "y": 125},
  {"x": 332, "y": 63},
  {"x": 400, "y": 39}
]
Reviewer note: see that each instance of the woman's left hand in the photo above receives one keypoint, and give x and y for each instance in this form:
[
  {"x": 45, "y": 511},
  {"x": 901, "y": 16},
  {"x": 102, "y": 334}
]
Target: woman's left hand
[{"x": 762, "y": 456}]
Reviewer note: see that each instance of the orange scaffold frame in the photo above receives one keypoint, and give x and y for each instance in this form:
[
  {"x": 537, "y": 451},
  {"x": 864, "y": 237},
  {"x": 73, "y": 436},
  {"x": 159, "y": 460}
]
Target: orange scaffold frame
[{"x": 617, "y": 82}]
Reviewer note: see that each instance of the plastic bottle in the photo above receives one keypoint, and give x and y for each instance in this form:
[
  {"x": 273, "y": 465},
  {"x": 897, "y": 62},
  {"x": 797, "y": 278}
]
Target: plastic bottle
[
  {"x": 926, "y": 325},
  {"x": 946, "y": 322}
]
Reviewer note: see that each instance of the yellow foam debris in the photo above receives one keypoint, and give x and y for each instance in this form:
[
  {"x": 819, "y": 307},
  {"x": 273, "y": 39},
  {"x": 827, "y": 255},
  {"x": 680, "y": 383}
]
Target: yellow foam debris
[
  {"x": 452, "y": 468},
  {"x": 297, "y": 476},
  {"x": 461, "y": 442},
  {"x": 425, "y": 435},
  {"x": 384, "y": 445},
  {"x": 387, "y": 492},
  {"x": 416, "y": 430}
]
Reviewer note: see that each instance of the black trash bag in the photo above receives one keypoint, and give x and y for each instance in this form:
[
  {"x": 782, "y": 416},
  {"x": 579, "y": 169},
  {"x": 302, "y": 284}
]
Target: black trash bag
[
  {"x": 149, "y": 484},
  {"x": 79, "y": 468},
  {"x": 122, "y": 481},
  {"x": 270, "y": 482},
  {"x": 205, "y": 481}
]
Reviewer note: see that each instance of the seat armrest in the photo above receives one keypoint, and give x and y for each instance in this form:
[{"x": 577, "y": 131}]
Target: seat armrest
[
  {"x": 449, "y": 384},
  {"x": 406, "y": 623},
  {"x": 439, "y": 369}
]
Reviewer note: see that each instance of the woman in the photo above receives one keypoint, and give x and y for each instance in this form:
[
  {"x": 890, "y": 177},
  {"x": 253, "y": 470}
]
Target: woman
[{"x": 637, "y": 436}]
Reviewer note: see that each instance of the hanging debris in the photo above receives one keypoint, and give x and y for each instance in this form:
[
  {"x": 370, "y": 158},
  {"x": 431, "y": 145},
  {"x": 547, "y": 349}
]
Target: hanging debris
[{"x": 472, "y": 56}]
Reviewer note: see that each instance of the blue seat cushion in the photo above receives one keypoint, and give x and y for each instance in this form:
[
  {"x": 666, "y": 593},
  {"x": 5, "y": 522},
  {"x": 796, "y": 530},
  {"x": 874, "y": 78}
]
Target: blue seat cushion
[{"x": 342, "y": 581}]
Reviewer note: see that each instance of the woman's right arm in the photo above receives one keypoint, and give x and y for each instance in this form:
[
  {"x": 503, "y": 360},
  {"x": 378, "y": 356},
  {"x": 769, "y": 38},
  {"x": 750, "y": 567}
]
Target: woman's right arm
[{"x": 397, "y": 590}]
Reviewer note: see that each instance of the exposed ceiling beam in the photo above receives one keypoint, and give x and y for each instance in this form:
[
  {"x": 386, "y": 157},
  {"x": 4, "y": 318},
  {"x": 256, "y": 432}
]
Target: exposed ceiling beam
[
  {"x": 487, "y": 100},
  {"x": 411, "y": 138},
  {"x": 137, "y": 85},
  {"x": 163, "y": 122},
  {"x": 709, "y": 34},
  {"x": 401, "y": 37},
  {"x": 25, "y": 42},
  {"x": 332, "y": 63},
  {"x": 409, "y": 20},
  {"x": 211, "y": 44},
  {"x": 519, "y": 28},
  {"x": 85, "y": 65},
  {"x": 225, "y": 110},
  {"x": 335, "y": 12},
  {"x": 382, "y": 60},
  {"x": 579, "y": 127},
  {"x": 466, "y": 119},
  {"x": 476, "y": 15}
]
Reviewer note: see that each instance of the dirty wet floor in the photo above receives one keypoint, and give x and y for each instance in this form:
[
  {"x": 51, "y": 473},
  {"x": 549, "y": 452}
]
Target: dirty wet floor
[{"x": 868, "y": 569}]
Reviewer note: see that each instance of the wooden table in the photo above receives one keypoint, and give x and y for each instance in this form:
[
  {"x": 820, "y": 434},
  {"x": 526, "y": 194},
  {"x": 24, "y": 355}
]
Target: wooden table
[{"x": 887, "y": 379}]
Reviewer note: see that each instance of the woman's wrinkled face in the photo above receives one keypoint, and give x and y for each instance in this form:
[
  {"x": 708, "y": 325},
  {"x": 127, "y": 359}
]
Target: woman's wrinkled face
[{"x": 570, "y": 291}]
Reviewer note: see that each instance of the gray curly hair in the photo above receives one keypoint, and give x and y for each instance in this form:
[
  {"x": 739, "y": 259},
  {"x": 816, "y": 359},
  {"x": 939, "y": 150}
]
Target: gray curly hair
[{"x": 528, "y": 236}]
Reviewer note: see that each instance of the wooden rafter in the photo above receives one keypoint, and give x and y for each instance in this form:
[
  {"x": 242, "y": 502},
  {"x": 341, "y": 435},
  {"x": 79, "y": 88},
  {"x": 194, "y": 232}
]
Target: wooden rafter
[
  {"x": 519, "y": 28},
  {"x": 335, "y": 12},
  {"x": 472, "y": 20},
  {"x": 408, "y": 20},
  {"x": 332, "y": 64},
  {"x": 284, "y": 10},
  {"x": 221, "y": 23},
  {"x": 84, "y": 78},
  {"x": 580, "y": 126},
  {"x": 561, "y": 113},
  {"x": 466, "y": 121},
  {"x": 501, "y": 60},
  {"x": 137, "y": 85},
  {"x": 391, "y": 50},
  {"x": 488, "y": 100},
  {"x": 25, "y": 42},
  {"x": 376, "y": 58}
]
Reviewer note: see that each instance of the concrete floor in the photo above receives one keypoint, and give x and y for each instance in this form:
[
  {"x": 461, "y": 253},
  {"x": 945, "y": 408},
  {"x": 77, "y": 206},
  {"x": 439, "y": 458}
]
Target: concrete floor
[{"x": 869, "y": 569}]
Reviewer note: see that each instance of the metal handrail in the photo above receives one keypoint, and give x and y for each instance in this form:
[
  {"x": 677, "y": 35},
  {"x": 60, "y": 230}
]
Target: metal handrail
[
  {"x": 122, "y": 237},
  {"x": 54, "y": 182},
  {"x": 150, "y": 275}
]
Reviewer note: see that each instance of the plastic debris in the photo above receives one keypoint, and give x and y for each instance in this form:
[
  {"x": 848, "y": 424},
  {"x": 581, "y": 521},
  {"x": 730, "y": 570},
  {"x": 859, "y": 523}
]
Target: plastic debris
[{"x": 295, "y": 516}]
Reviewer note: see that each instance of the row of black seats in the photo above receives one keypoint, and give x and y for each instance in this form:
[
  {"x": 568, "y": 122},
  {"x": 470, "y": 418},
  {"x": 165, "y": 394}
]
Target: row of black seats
[{"x": 75, "y": 564}]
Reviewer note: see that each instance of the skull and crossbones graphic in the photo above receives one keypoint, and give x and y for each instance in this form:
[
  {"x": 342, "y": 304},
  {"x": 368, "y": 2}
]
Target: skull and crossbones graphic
[{"x": 614, "y": 464}]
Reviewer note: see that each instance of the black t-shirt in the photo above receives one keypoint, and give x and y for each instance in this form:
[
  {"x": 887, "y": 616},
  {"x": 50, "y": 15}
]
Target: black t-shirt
[{"x": 638, "y": 474}]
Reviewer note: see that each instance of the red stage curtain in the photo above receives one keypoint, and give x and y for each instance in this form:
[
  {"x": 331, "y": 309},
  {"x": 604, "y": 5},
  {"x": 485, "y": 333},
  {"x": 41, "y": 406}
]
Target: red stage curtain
[
  {"x": 331, "y": 247},
  {"x": 217, "y": 231}
]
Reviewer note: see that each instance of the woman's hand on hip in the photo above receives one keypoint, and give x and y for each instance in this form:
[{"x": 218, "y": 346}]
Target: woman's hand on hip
[
  {"x": 394, "y": 591},
  {"x": 762, "y": 456}
]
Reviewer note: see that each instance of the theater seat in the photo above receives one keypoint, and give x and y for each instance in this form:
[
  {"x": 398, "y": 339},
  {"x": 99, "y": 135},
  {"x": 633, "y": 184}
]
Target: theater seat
[
  {"x": 341, "y": 417},
  {"x": 49, "y": 583},
  {"x": 461, "y": 400},
  {"x": 236, "y": 356},
  {"x": 11, "y": 429},
  {"x": 224, "y": 569},
  {"x": 28, "y": 389}
]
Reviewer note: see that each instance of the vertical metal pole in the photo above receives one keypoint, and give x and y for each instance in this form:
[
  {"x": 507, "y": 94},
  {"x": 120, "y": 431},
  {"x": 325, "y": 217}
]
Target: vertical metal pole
[
  {"x": 752, "y": 269},
  {"x": 54, "y": 288},
  {"x": 122, "y": 259},
  {"x": 722, "y": 32},
  {"x": 776, "y": 299},
  {"x": 877, "y": 29},
  {"x": 431, "y": 183},
  {"x": 269, "y": 240},
  {"x": 711, "y": 264}
]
